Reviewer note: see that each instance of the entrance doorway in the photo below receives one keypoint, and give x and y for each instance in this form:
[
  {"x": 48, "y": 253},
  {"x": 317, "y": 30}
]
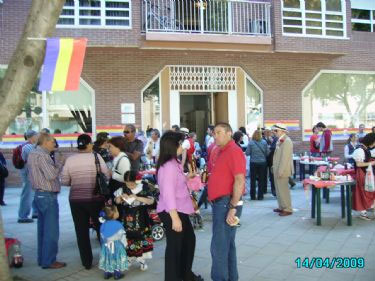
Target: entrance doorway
[
  {"x": 195, "y": 113},
  {"x": 198, "y": 110}
]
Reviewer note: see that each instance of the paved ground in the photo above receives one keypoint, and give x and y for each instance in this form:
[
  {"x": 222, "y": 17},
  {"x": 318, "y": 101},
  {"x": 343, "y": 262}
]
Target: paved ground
[{"x": 267, "y": 245}]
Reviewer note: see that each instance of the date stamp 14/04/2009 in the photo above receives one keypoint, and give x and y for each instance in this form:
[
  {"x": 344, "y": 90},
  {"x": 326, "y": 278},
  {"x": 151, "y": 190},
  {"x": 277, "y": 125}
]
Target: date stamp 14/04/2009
[{"x": 334, "y": 262}]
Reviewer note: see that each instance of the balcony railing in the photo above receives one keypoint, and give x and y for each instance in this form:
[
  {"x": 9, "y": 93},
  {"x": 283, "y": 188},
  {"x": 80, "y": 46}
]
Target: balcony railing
[{"x": 233, "y": 17}]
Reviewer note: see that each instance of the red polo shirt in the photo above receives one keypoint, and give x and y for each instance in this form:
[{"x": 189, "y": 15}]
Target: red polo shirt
[{"x": 229, "y": 162}]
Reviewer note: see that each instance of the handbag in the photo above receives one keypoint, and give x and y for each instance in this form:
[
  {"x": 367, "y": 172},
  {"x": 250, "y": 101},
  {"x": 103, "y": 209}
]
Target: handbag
[
  {"x": 101, "y": 184},
  {"x": 369, "y": 180}
]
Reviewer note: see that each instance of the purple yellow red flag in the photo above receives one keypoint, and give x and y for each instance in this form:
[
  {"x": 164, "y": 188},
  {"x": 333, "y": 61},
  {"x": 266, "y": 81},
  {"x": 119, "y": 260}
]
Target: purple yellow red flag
[{"x": 63, "y": 64}]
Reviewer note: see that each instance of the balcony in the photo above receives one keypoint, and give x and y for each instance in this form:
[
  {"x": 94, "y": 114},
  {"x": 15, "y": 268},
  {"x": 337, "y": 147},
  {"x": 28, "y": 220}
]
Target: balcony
[{"x": 208, "y": 21}]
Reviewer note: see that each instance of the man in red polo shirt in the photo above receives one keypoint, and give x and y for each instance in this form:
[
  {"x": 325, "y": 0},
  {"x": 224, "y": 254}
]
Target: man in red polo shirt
[{"x": 226, "y": 185}]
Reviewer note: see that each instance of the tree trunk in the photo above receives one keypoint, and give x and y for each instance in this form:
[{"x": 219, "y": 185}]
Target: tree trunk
[
  {"x": 25, "y": 64},
  {"x": 22, "y": 72},
  {"x": 5, "y": 272}
]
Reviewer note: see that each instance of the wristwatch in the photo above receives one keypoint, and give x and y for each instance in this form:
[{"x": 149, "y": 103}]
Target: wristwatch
[{"x": 231, "y": 206}]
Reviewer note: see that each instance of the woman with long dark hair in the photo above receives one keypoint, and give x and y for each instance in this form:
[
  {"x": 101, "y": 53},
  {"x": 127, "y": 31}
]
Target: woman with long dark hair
[
  {"x": 101, "y": 147},
  {"x": 174, "y": 208}
]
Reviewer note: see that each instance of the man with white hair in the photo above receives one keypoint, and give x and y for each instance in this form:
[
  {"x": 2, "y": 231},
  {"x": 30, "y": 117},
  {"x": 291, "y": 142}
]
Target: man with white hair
[{"x": 282, "y": 169}]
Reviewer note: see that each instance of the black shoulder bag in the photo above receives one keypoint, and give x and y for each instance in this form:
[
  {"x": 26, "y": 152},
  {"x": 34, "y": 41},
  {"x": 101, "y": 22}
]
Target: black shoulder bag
[{"x": 101, "y": 185}]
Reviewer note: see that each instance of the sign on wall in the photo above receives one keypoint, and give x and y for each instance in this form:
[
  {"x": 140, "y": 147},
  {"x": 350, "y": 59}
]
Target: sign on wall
[{"x": 127, "y": 113}]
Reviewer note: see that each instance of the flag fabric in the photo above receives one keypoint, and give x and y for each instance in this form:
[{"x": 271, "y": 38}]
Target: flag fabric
[{"x": 63, "y": 64}]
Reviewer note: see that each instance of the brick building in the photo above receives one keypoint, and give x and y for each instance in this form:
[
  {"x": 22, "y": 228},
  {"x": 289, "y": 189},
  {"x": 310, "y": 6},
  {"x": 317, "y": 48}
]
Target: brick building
[{"x": 195, "y": 62}]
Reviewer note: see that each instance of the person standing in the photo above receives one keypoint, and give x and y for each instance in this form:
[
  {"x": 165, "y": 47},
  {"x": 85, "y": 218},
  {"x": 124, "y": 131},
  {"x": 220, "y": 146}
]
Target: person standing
[
  {"x": 226, "y": 185},
  {"x": 349, "y": 148},
  {"x": 121, "y": 164},
  {"x": 79, "y": 173},
  {"x": 174, "y": 208},
  {"x": 326, "y": 145},
  {"x": 133, "y": 147},
  {"x": 245, "y": 138},
  {"x": 44, "y": 176},
  {"x": 314, "y": 142},
  {"x": 209, "y": 139},
  {"x": 361, "y": 131},
  {"x": 101, "y": 147},
  {"x": 258, "y": 151},
  {"x": 27, "y": 195},
  {"x": 283, "y": 169},
  {"x": 3, "y": 174},
  {"x": 362, "y": 199},
  {"x": 152, "y": 147}
]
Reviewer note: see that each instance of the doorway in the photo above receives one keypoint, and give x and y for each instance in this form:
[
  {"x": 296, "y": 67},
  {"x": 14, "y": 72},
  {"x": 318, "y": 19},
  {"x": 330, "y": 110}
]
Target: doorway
[
  {"x": 198, "y": 110},
  {"x": 195, "y": 113}
]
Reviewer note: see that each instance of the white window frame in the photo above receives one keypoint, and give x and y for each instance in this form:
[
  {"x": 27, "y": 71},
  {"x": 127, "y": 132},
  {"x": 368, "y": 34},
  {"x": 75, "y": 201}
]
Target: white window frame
[
  {"x": 102, "y": 16},
  {"x": 323, "y": 28},
  {"x": 315, "y": 78},
  {"x": 371, "y": 21}
]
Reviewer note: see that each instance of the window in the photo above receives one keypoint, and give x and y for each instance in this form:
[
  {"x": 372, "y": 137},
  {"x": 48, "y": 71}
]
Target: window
[
  {"x": 319, "y": 18},
  {"x": 65, "y": 112},
  {"x": 340, "y": 100},
  {"x": 151, "y": 117},
  {"x": 96, "y": 14},
  {"x": 363, "y": 20},
  {"x": 254, "y": 107}
]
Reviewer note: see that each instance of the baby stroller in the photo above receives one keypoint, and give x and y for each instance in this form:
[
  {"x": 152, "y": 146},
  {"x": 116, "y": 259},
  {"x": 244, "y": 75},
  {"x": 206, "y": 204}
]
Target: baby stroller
[{"x": 157, "y": 228}]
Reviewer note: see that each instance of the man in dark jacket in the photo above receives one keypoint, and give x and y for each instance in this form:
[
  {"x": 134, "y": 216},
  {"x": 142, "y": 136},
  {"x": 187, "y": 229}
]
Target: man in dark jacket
[{"x": 3, "y": 175}]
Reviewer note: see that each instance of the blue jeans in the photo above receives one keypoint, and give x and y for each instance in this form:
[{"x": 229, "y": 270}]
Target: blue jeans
[
  {"x": 26, "y": 199},
  {"x": 223, "y": 247},
  {"x": 48, "y": 227}
]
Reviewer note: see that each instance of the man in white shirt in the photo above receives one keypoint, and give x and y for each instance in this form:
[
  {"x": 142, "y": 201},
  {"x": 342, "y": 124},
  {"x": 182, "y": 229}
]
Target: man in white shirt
[
  {"x": 152, "y": 148},
  {"x": 209, "y": 137}
]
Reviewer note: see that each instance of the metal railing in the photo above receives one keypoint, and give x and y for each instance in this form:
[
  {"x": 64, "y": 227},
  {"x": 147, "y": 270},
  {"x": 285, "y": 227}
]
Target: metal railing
[{"x": 207, "y": 16}]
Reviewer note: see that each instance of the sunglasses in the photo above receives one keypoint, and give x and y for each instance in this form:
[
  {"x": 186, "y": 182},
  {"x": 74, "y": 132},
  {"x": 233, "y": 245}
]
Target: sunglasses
[{"x": 127, "y": 132}]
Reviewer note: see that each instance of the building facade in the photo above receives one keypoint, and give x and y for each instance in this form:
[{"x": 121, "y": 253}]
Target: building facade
[{"x": 156, "y": 63}]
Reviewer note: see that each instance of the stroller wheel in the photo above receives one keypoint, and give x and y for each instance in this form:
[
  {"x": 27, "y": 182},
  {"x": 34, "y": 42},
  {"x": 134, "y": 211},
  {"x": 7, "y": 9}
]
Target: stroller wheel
[{"x": 157, "y": 232}]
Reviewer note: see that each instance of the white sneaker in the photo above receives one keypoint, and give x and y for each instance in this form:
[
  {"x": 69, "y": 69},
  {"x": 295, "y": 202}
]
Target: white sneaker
[
  {"x": 144, "y": 266},
  {"x": 131, "y": 260},
  {"x": 364, "y": 216}
]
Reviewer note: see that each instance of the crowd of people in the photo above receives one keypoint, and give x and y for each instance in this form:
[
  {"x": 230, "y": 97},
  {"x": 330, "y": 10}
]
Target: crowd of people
[{"x": 121, "y": 218}]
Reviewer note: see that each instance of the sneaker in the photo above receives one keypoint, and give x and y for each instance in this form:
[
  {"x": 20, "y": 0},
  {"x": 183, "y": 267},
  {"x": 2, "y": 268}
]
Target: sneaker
[
  {"x": 144, "y": 266},
  {"x": 25, "y": 220},
  {"x": 364, "y": 217},
  {"x": 107, "y": 275}
]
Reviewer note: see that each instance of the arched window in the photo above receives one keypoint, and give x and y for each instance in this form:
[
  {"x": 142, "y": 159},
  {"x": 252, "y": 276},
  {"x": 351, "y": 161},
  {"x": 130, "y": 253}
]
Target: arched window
[
  {"x": 151, "y": 116},
  {"x": 254, "y": 106},
  {"x": 62, "y": 112},
  {"x": 341, "y": 100}
]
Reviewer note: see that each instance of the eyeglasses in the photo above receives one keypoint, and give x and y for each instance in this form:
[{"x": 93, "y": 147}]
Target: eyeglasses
[{"x": 126, "y": 132}]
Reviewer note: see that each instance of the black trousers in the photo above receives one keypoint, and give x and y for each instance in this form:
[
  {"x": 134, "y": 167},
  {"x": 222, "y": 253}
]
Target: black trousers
[
  {"x": 258, "y": 171},
  {"x": 179, "y": 252},
  {"x": 81, "y": 213},
  {"x": 272, "y": 181},
  {"x": 2, "y": 189},
  {"x": 203, "y": 198}
]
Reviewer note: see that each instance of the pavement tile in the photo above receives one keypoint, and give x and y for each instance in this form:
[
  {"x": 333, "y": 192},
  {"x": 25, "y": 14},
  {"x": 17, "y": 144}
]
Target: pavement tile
[{"x": 267, "y": 245}]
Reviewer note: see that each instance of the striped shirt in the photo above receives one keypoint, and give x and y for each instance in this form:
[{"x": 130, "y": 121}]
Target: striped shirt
[
  {"x": 43, "y": 172},
  {"x": 79, "y": 173}
]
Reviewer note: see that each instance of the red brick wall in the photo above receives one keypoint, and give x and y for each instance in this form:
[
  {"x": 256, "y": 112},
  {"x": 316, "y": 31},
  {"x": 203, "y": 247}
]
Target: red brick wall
[{"x": 117, "y": 74}]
